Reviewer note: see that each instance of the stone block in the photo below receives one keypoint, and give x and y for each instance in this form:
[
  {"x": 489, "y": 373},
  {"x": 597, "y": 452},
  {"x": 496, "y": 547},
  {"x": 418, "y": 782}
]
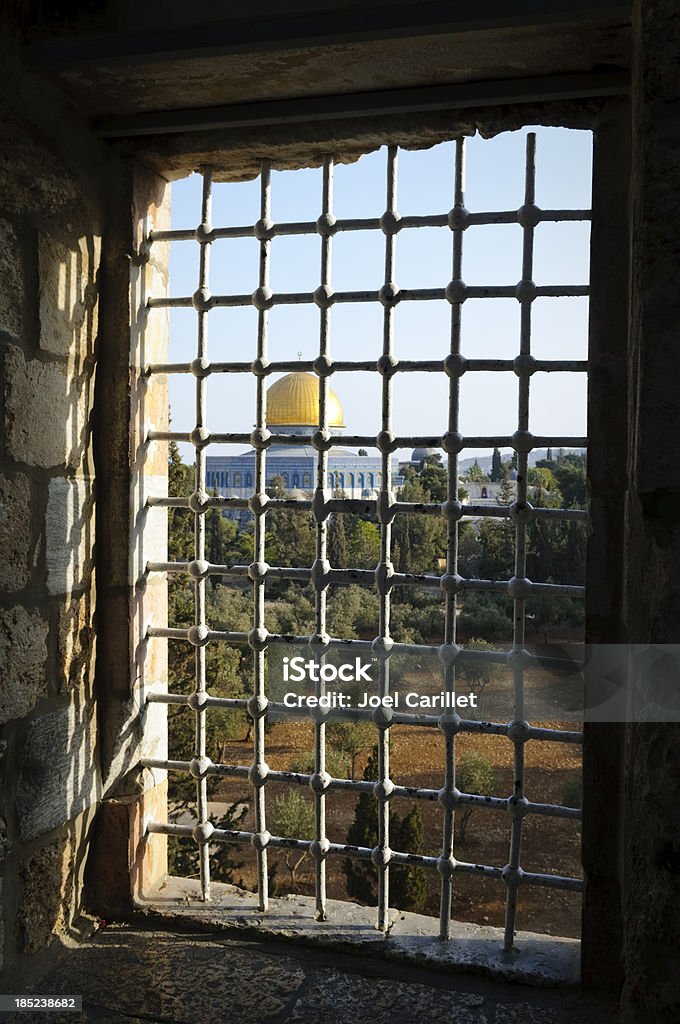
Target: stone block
[
  {"x": 69, "y": 534},
  {"x": 15, "y": 532},
  {"x": 68, "y": 295},
  {"x": 46, "y": 886},
  {"x": 46, "y": 412},
  {"x": 12, "y": 277},
  {"x": 23, "y": 653},
  {"x": 58, "y": 773}
]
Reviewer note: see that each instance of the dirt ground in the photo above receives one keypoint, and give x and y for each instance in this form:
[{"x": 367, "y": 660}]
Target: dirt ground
[{"x": 417, "y": 753}]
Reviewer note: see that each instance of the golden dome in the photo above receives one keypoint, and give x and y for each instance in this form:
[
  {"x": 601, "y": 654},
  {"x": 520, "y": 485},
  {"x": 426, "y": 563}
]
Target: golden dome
[{"x": 294, "y": 401}]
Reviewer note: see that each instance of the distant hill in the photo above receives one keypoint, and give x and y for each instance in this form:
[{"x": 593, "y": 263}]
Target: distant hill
[{"x": 534, "y": 457}]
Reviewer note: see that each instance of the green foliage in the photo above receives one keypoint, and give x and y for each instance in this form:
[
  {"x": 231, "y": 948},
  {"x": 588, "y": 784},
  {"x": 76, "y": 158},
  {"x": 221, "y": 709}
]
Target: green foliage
[
  {"x": 496, "y": 467},
  {"x": 419, "y": 540},
  {"x": 475, "y": 474},
  {"x": 475, "y": 775},
  {"x": 353, "y": 612},
  {"x": 479, "y": 674},
  {"x": 434, "y": 478},
  {"x": 337, "y": 542},
  {"x": 348, "y": 740},
  {"x": 293, "y": 816},
  {"x": 408, "y": 886},
  {"x": 485, "y": 615}
]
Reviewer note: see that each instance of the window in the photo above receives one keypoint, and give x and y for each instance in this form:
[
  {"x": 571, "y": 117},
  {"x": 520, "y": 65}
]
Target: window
[{"x": 456, "y": 375}]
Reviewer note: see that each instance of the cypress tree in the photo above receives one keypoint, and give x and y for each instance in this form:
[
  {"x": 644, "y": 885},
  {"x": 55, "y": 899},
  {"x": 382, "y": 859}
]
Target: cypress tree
[{"x": 496, "y": 467}]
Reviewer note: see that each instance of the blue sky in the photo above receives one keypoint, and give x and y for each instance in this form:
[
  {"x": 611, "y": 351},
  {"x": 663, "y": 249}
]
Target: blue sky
[{"x": 491, "y": 255}]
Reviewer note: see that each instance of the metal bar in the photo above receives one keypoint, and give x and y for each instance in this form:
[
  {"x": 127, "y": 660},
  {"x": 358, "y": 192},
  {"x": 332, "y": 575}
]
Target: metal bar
[
  {"x": 258, "y": 774},
  {"x": 499, "y": 291},
  {"x": 311, "y": 227},
  {"x": 322, "y": 565},
  {"x": 384, "y": 508}
]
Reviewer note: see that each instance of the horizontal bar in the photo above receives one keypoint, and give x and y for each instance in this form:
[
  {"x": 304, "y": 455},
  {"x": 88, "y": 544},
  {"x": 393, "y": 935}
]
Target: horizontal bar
[
  {"x": 491, "y": 803},
  {"x": 371, "y": 441},
  {"x": 365, "y": 506},
  {"x": 500, "y": 291},
  {"x": 344, "y": 225},
  {"x": 371, "y": 366}
]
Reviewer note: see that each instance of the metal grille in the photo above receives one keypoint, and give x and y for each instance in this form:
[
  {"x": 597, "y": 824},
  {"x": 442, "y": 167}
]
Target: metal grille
[{"x": 518, "y": 731}]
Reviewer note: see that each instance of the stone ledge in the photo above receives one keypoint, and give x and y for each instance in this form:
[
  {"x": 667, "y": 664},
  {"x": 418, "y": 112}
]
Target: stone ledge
[{"x": 540, "y": 960}]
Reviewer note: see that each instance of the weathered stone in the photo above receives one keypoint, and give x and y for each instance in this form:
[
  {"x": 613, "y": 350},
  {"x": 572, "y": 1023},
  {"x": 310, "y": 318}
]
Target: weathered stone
[
  {"x": 76, "y": 643},
  {"x": 58, "y": 775},
  {"x": 46, "y": 892},
  {"x": 46, "y": 412},
  {"x": 157, "y": 968},
  {"x": 15, "y": 532},
  {"x": 32, "y": 175},
  {"x": 69, "y": 533},
  {"x": 68, "y": 296},
  {"x": 387, "y": 998},
  {"x": 23, "y": 652},
  {"x": 12, "y": 277}
]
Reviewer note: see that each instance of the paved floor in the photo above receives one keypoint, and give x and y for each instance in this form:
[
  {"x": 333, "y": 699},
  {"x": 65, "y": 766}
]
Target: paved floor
[{"x": 132, "y": 974}]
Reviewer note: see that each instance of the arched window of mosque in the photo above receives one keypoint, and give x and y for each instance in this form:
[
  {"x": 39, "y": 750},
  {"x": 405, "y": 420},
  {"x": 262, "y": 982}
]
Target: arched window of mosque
[
  {"x": 360, "y": 480},
  {"x": 370, "y": 480},
  {"x": 307, "y": 480},
  {"x": 339, "y": 479},
  {"x": 484, "y": 494},
  {"x": 249, "y": 480},
  {"x": 296, "y": 480},
  {"x": 350, "y": 478},
  {"x": 238, "y": 479}
]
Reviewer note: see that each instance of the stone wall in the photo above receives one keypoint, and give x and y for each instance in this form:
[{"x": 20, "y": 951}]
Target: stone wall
[
  {"x": 651, "y": 907},
  {"x": 52, "y": 177}
]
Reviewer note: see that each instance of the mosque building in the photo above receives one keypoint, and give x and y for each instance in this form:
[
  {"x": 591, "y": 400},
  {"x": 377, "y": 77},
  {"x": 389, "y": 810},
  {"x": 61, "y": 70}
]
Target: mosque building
[{"x": 293, "y": 408}]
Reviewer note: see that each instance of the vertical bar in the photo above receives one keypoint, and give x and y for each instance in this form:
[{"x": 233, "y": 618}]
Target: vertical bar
[
  {"x": 388, "y": 298},
  {"x": 457, "y": 223},
  {"x": 258, "y": 773},
  {"x": 526, "y": 294},
  {"x": 321, "y": 592},
  {"x": 199, "y": 530}
]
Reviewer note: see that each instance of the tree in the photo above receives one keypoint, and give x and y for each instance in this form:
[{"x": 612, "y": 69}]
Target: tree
[
  {"x": 337, "y": 538},
  {"x": 348, "y": 740},
  {"x": 475, "y": 474},
  {"x": 220, "y": 534},
  {"x": 474, "y": 775},
  {"x": 478, "y": 674},
  {"x": 293, "y": 816},
  {"x": 407, "y": 882},
  {"x": 435, "y": 478},
  {"x": 496, "y": 467},
  {"x": 486, "y": 616}
]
